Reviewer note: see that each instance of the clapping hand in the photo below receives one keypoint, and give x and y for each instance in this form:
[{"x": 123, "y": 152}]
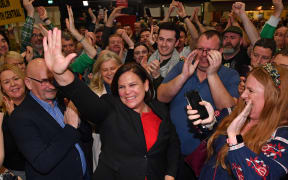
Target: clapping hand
[
  {"x": 189, "y": 67},
  {"x": 42, "y": 13},
  {"x": 237, "y": 124},
  {"x": 238, "y": 8},
  {"x": 71, "y": 116},
  {"x": 29, "y": 7},
  {"x": 214, "y": 58},
  {"x": 154, "y": 68},
  {"x": 9, "y": 104}
]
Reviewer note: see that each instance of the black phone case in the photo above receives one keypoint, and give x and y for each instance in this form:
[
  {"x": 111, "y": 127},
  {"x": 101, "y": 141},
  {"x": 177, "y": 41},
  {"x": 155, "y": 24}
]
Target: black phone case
[{"x": 193, "y": 99}]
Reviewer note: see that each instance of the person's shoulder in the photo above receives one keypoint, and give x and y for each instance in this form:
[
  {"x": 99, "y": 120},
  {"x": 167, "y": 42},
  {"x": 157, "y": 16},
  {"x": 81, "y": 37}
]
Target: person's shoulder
[
  {"x": 25, "y": 105},
  {"x": 225, "y": 70},
  {"x": 159, "y": 108},
  {"x": 281, "y": 133}
]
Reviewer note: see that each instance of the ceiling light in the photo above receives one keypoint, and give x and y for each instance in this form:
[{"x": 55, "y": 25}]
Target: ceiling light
[{"x": 85, "y": 3}]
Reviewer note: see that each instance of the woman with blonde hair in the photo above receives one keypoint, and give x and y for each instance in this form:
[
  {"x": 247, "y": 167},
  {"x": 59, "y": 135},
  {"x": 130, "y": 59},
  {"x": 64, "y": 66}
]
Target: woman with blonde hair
[
  {"x": 103, "y": 72},
  {"x": 15, "y": 58},
  {"x": 13, "y": 92},
  {"x": 252, "y": 142}
]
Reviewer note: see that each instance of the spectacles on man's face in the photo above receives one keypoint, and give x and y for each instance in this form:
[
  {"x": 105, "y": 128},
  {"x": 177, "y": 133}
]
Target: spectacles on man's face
[
  {"x": 201, "y": 50},
  {"x": 43, "y": 82},
  {"x": 37, "y": 35}
]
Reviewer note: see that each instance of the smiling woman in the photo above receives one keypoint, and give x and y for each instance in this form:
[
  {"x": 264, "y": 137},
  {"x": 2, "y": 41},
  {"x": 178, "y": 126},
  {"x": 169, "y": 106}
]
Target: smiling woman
[
  {"x": 103, "y": 72},
  {"x": 138, "y": 142},
  {"x": 13, "y": 92},
  {"x": 261, "y": 117}
]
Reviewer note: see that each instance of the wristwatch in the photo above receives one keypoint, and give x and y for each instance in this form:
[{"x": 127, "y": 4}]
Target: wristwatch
[{"x": 239, "y": 140}]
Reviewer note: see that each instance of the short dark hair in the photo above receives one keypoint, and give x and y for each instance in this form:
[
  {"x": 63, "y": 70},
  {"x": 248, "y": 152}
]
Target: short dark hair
[
  {"x": 141, "y": 44},
  {"x": 140, "y": 72},
  {"x": 100, "y": 29},
  {"x": 170, "y": 26},
  {"x": 67, "y": 36},
  {"x": 266, "y": 43},
  {"x": 283, "y": 52},
  {"x": 2, "y": 33},
  {"x": 210, "y": 33},
  {"x": 144, "y": 30}
]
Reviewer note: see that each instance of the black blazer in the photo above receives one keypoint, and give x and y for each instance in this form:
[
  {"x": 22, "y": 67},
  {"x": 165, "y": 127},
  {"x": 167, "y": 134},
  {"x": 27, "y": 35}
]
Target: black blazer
[
  {"x": 47, "y": 147},
  {"x": 124, "y": 154}
]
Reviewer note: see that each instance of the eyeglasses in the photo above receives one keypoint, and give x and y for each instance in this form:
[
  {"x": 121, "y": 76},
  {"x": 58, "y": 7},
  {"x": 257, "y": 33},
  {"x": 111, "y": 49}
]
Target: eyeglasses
[
  {"x": 37, "y": 35},
  {"x": 43, "y": 82},
  {"x": 201, "y": 50}
]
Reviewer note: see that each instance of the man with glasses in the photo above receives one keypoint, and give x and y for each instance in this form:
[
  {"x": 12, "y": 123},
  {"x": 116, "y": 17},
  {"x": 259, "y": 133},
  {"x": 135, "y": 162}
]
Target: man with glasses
[
  {"x": 50, "y": 140},
  {"x": 30, "y": 33},
  {"x": 201, "y": 71},
  {"x": 263, "y": 52}
]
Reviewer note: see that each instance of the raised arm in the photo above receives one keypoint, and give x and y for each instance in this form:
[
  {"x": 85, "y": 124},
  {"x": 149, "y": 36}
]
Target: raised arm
[
  {"x": 167, "y": 91},
  {"x": 27, "y": 29},
  {"x": 44, "y": 17},
  {"x": 108, "y": 28},
  {"x": 182, "y": 13},
  {"x": 195, "y": 19},
  {"x": 270, "y": 26},
  {"x": 170, "y": 11},
  {"x": 115, "y": 13},
  {"x": 125, "y": 37},
  {"x": 89, "y": 49},
  {"x": 221, "y": 96},
  {"x": 73, "y": 88},
  {"x": 239, "y": 9}
]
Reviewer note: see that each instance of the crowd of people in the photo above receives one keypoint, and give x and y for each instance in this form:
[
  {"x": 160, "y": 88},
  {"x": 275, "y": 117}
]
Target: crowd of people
[{"x": 109, "y": 100}]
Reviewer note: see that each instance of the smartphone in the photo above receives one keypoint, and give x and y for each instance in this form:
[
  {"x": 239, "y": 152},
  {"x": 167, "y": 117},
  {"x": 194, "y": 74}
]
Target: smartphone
[
  {"x": 193, "y": 99},
  {"x": 128, "y": 10},
  {"x": 148, "y": 13}
]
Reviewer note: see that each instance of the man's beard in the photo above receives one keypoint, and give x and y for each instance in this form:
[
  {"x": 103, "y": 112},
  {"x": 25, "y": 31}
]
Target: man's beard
[{"x": 230, "y": 50}]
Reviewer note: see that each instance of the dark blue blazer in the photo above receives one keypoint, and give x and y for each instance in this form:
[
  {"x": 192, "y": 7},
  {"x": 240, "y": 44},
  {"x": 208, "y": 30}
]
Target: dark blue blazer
[{"x": 47, "y": 147}]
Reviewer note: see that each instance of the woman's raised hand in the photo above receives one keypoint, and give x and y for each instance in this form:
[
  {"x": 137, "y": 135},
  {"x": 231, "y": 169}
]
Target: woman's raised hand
[
  {"x": 237, "y": 124},
  {"x": 54, "y": 58}
]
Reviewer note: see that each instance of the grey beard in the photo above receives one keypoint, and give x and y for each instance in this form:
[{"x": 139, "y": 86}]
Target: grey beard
[{"x": 228, "y": 51}]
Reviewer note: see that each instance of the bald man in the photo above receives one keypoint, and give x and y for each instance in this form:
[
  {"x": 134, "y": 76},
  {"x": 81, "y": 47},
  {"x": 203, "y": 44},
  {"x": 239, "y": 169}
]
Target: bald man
[{"x": 51, "y": 146}]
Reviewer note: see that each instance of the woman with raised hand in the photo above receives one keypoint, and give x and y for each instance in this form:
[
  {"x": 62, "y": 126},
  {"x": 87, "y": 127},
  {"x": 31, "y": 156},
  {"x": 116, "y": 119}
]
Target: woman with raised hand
[
  {"x": 138, "y": 138},
  {"x": 252, "y": 142}
]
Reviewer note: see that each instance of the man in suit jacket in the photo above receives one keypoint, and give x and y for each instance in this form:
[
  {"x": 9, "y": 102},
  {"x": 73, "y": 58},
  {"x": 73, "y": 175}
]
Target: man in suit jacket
[{"x": 50, "y": 141}]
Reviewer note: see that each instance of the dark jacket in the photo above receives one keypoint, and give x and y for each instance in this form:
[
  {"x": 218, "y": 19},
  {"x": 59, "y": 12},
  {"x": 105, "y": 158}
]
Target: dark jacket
[
  {"x": 48, "y": 148},
  {"x": 13, "y": 159},
  {"x": 124, "y": 154}
]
